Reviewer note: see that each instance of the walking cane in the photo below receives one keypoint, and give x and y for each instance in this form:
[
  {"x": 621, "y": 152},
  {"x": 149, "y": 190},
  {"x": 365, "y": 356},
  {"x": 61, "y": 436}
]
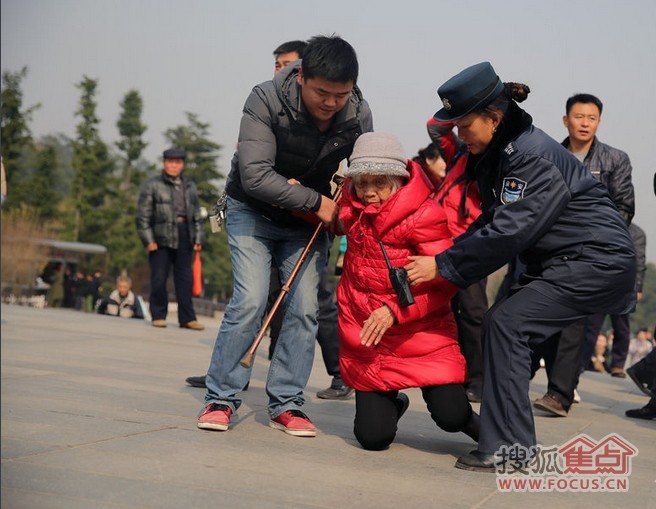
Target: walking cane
[{"x": 247, "y": 359}]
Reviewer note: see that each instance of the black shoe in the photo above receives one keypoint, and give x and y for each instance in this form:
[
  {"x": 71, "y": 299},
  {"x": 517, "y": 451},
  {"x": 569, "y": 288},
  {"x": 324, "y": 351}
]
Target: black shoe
[
  {"x": 337, "y": 390},
  {"x": 477, "y": 461},
  {"x": 402, "y": 403},
  {"x": 646, "y": 412},
  {"x": 342, "y": 392},
  {"x": 550, "y": 403},
  {"x": 644, "y": 387},
  {"x": 474, "y": 394},
  {"x": 197, "y": 381},
  {"x": 474, "y": 390}
]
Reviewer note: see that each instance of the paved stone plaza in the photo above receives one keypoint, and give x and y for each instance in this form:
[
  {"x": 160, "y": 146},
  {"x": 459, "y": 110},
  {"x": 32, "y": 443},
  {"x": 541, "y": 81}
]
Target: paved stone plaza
[{"x": 96, "y": 414}]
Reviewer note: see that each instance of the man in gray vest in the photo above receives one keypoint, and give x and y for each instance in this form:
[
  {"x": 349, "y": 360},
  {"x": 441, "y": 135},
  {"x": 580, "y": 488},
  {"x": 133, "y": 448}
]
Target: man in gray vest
[{"x": 295, "y": 130}]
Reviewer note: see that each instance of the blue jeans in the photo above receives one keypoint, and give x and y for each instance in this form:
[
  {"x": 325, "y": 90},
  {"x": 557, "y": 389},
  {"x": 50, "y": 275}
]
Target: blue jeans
[{"x": 255, "y": 243}]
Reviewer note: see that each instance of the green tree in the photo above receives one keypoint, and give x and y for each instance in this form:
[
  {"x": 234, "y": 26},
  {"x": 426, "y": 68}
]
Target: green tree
[
  {"x": 93, "y": 167},
  {"x": 131, "y": 130},
  {"x": 645, "y": 313},
  {"x": 14, "y": 131},
  {"x": 122, "y": 241},
  {"x": 41, "y": 191},
  {"x": 64, "y": 174}
]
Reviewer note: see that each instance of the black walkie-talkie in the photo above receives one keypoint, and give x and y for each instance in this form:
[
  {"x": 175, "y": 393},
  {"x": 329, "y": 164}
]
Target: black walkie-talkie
[{"x": 399, "y": 279}]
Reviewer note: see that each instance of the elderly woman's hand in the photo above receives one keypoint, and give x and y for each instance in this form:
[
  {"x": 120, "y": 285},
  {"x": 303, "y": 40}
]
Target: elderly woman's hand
[
  {"x": 421, "y": 269},
  {"x": 376, "y": 325}
]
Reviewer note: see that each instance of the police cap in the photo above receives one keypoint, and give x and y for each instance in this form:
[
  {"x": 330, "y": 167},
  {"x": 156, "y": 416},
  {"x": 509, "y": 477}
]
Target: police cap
[
  {"x": 174, "y": 153},
  {"x": 470, "y": 89}
]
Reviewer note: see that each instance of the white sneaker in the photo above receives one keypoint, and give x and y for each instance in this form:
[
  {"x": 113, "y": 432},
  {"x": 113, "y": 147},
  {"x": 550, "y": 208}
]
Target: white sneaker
[{"x": 577, "y": 397}]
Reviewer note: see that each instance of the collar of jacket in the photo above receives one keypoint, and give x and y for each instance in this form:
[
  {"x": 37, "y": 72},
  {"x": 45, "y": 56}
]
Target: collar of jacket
[
  {"x": 289, "y": 92},
  {"x": 515, "y": 121},
  {"x": 593, "y": 146},
  {"x": 170, "y": 180}
]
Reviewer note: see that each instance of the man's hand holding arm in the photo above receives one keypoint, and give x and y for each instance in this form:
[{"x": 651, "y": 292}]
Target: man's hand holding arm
[
  {"x": 421, "y": 269},
  {"x": 328, "y": 211}
]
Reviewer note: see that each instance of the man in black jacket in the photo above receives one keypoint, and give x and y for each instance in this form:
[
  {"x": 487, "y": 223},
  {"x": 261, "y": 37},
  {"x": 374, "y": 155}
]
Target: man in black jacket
[
  {"x": 168, "y": 223},
  {"x": 295, "y": 131},
  {"x": 613, "y": 168},
  {"x": 609, "y": 165}
]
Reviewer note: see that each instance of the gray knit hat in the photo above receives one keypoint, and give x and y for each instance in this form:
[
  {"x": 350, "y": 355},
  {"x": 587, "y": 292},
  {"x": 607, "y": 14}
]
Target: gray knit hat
[{"x": 377, "y": 154}]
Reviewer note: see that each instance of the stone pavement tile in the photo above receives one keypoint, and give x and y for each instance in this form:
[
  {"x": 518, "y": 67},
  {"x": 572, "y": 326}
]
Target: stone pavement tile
[
  {"x": 201, "y": 459},
  {"x": 17, "y": 448},
  {"x": 87, "y": 489},
  {"x": 19, "y": 499}
]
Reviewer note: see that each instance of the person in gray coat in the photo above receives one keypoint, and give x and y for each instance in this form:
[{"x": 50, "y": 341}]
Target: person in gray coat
[{"x": 295, "y": 131}]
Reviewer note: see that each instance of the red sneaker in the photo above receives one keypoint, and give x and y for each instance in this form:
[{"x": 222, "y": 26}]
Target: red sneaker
[
  {"x": 215, "y": 417},
  {"x": 294, "y": 422}
]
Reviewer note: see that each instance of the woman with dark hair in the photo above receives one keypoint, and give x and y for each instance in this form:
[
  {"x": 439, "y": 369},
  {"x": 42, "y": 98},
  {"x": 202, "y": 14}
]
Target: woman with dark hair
[
  {"x": 444, "y": 163},
  {"x": 540, "y": 204},
  {"x": 432, "y": 161}
]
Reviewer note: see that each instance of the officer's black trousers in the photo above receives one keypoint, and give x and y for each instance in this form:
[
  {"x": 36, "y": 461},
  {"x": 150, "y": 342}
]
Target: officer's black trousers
[
  {"x": 523, "y": 318},
  {"x": 561, "y": 354}
]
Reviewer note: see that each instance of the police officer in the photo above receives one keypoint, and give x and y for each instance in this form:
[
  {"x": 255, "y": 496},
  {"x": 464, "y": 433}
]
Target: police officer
[{"x": 541, "y": 204}]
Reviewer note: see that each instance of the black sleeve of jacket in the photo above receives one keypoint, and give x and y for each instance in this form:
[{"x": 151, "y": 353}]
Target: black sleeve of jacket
[
  {"x": 513, "y": 228},
  {"x": 442, "y": 135},
  {"x": 136, "y": 309},
  {"x": 102, "y": 306},
  {"x": 640, "y": 242},
  {"x": 621, "y": 187},
  {"x": 145, "y": 214},
  {"x": 198, "y": 234}
]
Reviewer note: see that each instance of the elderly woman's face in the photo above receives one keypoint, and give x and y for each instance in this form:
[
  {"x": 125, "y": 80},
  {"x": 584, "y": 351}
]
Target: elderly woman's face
[
  {"x": 373, "y": 189},
  {"x": 476, "y": 131}
]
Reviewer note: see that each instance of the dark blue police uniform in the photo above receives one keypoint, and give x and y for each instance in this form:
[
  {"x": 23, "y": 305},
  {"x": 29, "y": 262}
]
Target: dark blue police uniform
[{"x": 541, "y": 204}]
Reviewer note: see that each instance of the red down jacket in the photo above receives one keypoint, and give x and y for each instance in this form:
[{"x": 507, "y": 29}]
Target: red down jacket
[{"x": 421, "y": 349}]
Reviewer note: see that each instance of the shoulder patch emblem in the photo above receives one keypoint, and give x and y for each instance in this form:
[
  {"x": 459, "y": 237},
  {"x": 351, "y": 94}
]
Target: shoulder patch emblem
[
  {"x": 509, "y": 149},
  {"x": 512, "y": 190}
]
